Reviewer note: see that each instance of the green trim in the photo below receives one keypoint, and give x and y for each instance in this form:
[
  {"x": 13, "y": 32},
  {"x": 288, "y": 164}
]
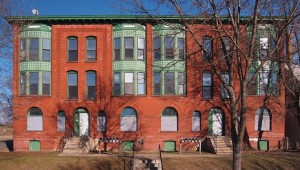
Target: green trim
[
  {"x": 137, "y": 65},
  {"x": 169, "y": 65},
  {"x": 36, "y": 27},
  {"x": 35, "y": 66}
]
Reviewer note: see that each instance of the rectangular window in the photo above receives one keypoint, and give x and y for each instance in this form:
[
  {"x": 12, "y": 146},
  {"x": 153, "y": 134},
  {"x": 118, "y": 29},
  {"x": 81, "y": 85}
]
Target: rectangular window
[
  {"x": 33, "y": 49},
  {"x": 101, "y": 123},
  {"x": 207, "y": 52},
  {"x": 181, "y": 83},
  {"x": 157, "y": 83},
  {"x": 207, "y": 85},
  {"x": 33, "y": 82},
  {"x": 117, "y": 46},
  {"x": 46, "y": 49},
  {"x": 72, "y": 85},
  {"x": 226, "y": 46},
  {"x": 91, "y": 49},
  {"x": 91, "y": 85},
  {"x": 129, "y": 86},
  {"x": 169, "y": 48},
  {"x": 263, "y": 50},
  {"x": 23, "y": 79},
  {"x": 141, "y": 48},
  {"x": 275, "y": 83},
  {"x": 117, "y": 84},
  {"x": 180, "y": 42},
  {"x": 252, "y": 89},
  {"x": 263, "y": 82},
  {"x": 23, "y": 49},
  {"x": 157, "y": 46},
  {"x": 224, "y": 92},
  {"x": 169, "y": 83},
  {"x": 72, "y": 49},
  {"x": 129, "y": 44},
  {"x": 141, "y": 83},
  {"x": 46, "y": 83}
]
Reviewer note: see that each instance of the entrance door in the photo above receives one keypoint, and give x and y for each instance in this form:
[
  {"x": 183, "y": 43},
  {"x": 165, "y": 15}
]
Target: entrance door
[
  {"x": 81, "y": 122},
  {"x": 216, "y": 122}
]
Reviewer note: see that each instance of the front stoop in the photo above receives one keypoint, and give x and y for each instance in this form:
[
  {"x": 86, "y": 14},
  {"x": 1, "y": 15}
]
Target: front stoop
[
  {"x": 219, "y": 145},
  {"x": 147, "y": 164},
  {"x": 73, "y": 146}
]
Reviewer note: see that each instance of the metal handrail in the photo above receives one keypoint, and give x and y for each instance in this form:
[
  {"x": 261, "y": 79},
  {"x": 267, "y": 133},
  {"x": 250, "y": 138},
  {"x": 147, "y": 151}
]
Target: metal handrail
[
  {"x": 160, "y": 157},
  {"x": 67, "y": 135}
]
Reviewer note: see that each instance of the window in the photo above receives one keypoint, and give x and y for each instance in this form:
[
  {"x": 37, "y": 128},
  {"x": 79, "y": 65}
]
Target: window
[
  {"x": 72, "y": 49},
  {"x": 61, "y": 121},
  {"x": 141, "y": 48},
  {"x": 129, "y": 44},
  {"x": 169, "y": 83},
  {"x": 23, "y": 80},
  {"x": 226, "y": 45},
  {"x": 46, "y": 49},
  {"x": 72, "y": 85},
  {"x": 263, "y": 49},
  {"x": 224, "y": 92},
  {"x": 117, "y": 46},
  {"x": 91, "y": 51},
  {"x": 169, "y": 48},
  {"x": 263, "y": 82},
  {"x": 91, "y": 85},
  {"x": 157, "y": 83},
  {"x": 252, "y": 84},
  {"x": 207, "y": 52},
  {"x": 33, "y": 49},
  {"x": 101, "y": 121},
  {"x": 262, "y": 120},
  {"x": 23, "y": 49},
  {"x": 34, "y": 119},
  {"x": 46, "y": 83},
  {"x": 128, "y": 119},
  {"x": 33, "y": 82},
  {"x": 157, "y": 46},
  {"x": 207, "y": 86},
  {"x": 180, "y": 43},
  {"x": 117, "y": 84},
  {"x": 141, "y": 83},
  {"x": 169, "y": 120},
  {"x": 181, "y": 83},
  {"x": 129, "y": 86},
  {"x": 196, "y": 121}
]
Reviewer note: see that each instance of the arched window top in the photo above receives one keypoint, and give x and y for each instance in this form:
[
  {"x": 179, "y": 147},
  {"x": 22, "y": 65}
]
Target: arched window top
[
  {"x": 35, "y": 111},
  {"x": 73, "y": 37},
  {"x": 128, "y": 112},
  {"x": 216, "y": 110},
  {"x": 90, "y": 71},
  {"x": 169, "y": 111},
  {"x": 262, "y": 112},
  {"x": 72, "y": 71},
  {"x": 101, "y": 113},
  {"x": 91, "y": 37},
  {"x": 61, "y": 114},
  {"x": 196, "y": 113}
]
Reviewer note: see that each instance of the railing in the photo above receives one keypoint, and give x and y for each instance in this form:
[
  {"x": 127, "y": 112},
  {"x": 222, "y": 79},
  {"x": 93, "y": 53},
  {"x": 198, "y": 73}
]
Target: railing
[
  {"x": 287, "y": 143},
  {"x": 83, "y": 141},
  {"x": 67, "y": 135},
  {"x": 159, "y": 155}
]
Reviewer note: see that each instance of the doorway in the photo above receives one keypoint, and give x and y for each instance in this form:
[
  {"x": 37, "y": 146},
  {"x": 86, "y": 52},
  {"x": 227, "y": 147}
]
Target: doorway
[
  {"x": 81, "y": 122},
  {"x": 216, "y": 123}
]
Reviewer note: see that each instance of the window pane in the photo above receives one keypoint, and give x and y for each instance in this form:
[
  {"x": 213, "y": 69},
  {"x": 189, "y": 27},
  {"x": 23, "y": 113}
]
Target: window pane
[
  {"x": 262, "y": 120},
  {"x": 263, "y": 43},
  {"x": 101, "y": 121},
  {"x": 157, "y": 82},
  {"x": 224, "y": 92},
  {"x": 128, "y": 41},
  {"x": 46, "y": 83},
  {"x": 46, "y": 44},
  {"x": 169, "y": 83},
  {"x": 169, "y": 120},
  {"x": 72, "y": 79},
  {"x": 141, "y": 54},
  {"x": 128, "y": 77},
  {"x": 128, "y": 53},
  {"x": 91, "y": 55},
  {"x": 157, "y": 46},
  {"x": 72, "y": 43},
  {"x": 181, "y": 83},
  {"x": 117, "y": 54},
  {"x": 196, "y": 121},
  {"x": 207, "y": 81},
  {"x": 33, "y": 48},
  {"x": 23, "y": 49},
  {"x": 72, "y": 49},
  {"x": 91, "y": 43},
  {"x": 141, "y": 83},
  {"x": 35, "y": 120},
  {"x": 207, "y": 92},
  {"x": 141, "y": 43},
  {"x": 61, "y": 121},
  {"x": 34, "y": 79},
  {"x": 169, "y": 48},
  {"x": 91, "y": 85},
  {"x": 129, "y": 87},
  {"x": 181, "y": 48},
  {"x": 128, "y": 120},
  {"x": 117, "y": 43},
  {"x": 117, "y": 85},
  {"x": 73, "y": 55},
  {"x": 23, "y": 83},
  {"x": 72, "y": 85},
  {"x": 207, "y": 51}
]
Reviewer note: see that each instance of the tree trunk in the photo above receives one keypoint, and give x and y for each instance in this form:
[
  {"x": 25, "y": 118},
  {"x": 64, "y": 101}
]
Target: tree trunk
[{"x": 237, "y": 157}]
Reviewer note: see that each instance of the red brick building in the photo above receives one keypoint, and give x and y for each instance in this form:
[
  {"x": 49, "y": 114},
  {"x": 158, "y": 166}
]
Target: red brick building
[{"x": 125, "y": 77}]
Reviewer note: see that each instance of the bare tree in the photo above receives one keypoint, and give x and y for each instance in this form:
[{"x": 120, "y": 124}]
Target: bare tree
[
  {"x": 239, "y": 24},
  {"x": 7, "y": 8}
]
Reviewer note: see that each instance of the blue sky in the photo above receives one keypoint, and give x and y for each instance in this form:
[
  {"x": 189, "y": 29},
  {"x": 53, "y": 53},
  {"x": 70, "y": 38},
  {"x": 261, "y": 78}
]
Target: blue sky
[{"x": 75, "y": 7}]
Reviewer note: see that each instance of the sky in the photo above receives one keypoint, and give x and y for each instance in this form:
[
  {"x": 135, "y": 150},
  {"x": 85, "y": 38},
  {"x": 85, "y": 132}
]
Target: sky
[{"x": 75, "y": 7}]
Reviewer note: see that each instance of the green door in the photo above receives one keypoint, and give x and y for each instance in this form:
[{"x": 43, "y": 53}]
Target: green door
[
  {"x": 76, "y": 123},
  {"x": 34, "y": 145},
  {"x": 169, "y": 146},
  {"x": 127, "y": 146}
]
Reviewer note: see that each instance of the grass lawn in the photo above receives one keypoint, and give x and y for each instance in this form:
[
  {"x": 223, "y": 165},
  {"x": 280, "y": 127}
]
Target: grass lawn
[{"x": 46, "y": 160}]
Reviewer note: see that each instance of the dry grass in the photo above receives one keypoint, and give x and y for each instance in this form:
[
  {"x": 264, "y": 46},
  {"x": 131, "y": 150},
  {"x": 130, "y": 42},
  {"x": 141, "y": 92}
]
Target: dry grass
[{"x": 47, "y": 161}]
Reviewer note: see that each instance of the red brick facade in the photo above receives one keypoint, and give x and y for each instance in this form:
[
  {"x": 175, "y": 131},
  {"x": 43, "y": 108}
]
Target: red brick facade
[{"x": 148, "y": 107}]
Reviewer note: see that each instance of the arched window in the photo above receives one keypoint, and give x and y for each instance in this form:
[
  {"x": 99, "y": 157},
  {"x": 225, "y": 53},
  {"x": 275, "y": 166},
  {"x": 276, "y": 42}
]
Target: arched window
[
  {"x": 196, "y": 121},
  {"x": 128, "y": 119},
  {"x": 169, "y": 119},
  {"x": 91, "y": 50},
  {"x": 72, "y": 49},
  {"x": 101, "y": 121},
  {"x": 72, "y": 85},
  {"x": 61, "y": 121},
  {"x": 34, "y": 119},
  {"x": 262, "y": 120},
  {"x": 90, "y": 85}
]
